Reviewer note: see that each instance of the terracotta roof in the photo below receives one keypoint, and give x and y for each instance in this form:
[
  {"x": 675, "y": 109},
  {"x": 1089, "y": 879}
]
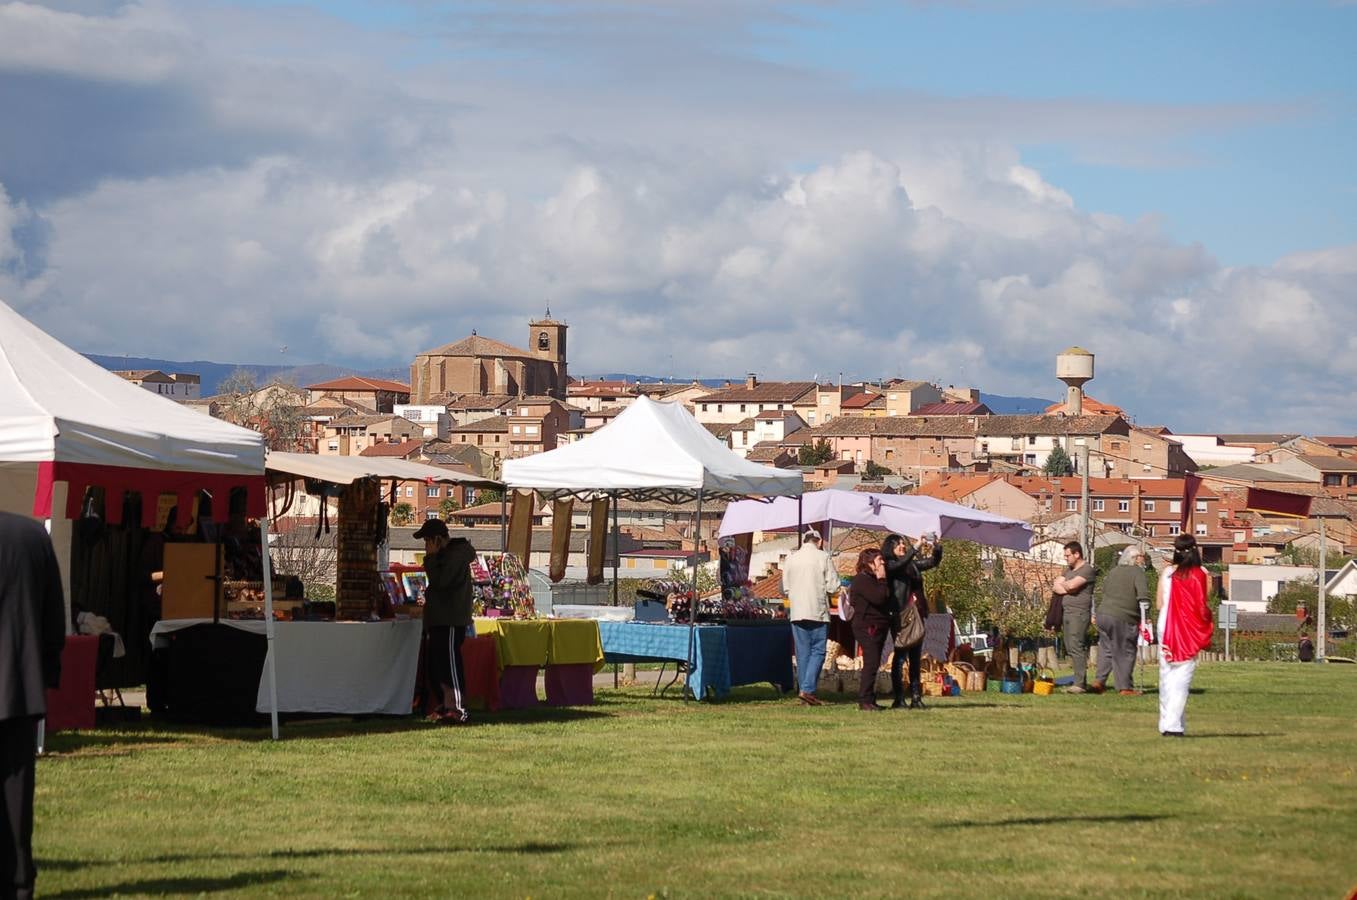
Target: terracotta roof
[
  {"x": 367, "y": 421},
  {"x": 897, "y": 426},
  {"x": 468, "y": 402},
  {"x": 359, "y": 383},
  {"x": 904, "y": 384},
  {"x": 477, "y": 345},
  {"x": 952, "y": 487},
  {"x": 720, "y": 430},
  {"x": 1329, "y": 463},
  {"x": 401, "y": 450},
  {"x": 483, "y": 426},
  {"x": 483, "y": 511},
  {"x": 537, "y": 400},
  {"x": 1254, "y": 473},
  {"x": 765, "y": 392},
  {"x": 767, "y": 454},
  {"x": 860, "y": 401},
  {"x": 953, "y": 409},
  {"x": 1091, "y": 407},
  {"x": 1003, "y": 426},
  {"x": 1149, "y": 488},
  {"x": 769, "y": 588},
  {"x": 1256, "y": 438},
  {"x": 1345, "y": 441}
]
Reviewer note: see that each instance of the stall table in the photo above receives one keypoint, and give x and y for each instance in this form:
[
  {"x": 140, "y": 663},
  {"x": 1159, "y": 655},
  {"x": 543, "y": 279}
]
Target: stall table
[
  {"x": 352, "y": 668},
  {"x": 727, "y": 655},
  {"x": 569, "y": 649}
]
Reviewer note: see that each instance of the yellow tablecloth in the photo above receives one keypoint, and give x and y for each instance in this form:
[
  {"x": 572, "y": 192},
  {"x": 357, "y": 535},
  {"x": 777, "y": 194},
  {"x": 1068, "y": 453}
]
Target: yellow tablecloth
[
  {"x": 541, "y": 642},
  {"x": 575, "y": 641},
  {"x": 520, "y": 642}
]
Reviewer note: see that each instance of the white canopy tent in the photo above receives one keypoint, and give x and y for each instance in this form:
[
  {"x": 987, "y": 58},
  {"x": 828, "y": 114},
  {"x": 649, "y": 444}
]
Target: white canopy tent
[
  {"x": 652, "y": 450},
  {"x": 348, "y": 469}
]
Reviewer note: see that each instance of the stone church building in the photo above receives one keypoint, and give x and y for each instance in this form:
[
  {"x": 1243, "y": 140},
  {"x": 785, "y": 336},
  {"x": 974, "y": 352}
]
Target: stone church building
[{"x": 481, "y": 365}]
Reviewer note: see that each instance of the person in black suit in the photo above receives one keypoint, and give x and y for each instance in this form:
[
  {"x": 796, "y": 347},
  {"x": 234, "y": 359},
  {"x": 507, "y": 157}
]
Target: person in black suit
[{"x": 32, "y": 633}]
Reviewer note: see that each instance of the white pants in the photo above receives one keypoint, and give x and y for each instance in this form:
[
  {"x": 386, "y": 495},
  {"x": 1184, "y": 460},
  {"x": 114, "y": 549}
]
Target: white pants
[{"x": 1174, "y": 681}]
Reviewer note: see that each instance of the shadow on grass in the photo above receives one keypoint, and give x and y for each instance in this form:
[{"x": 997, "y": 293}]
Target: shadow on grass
[
  {"x": 73, "y": 741},
  {"x": 178, "y": 886},
  {"x": 1055, "y": 820},
  {"x": 1237, "y": 734}
]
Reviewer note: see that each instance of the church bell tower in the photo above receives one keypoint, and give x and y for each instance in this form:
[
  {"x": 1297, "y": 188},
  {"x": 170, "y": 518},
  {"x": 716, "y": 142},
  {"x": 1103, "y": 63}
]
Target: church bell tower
[{"x": 546, "y": 341}]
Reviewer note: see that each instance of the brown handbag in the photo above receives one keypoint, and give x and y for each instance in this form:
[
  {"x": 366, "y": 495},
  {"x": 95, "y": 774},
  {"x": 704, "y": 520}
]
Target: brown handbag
[{"x": 911, "y": 628}]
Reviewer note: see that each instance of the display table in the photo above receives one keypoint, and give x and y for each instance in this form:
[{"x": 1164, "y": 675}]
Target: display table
[
  {"x": 70, "y": 704},
  {"x": 726, "y": 655},
  {"x": 570, "y": 650},
  {"x": 353, "y": 668}
]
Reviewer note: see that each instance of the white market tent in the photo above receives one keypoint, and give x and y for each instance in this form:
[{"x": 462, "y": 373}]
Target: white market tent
[
  {"x": 348, "y": 469},
  {"x": 66, "y": 424},
  {"x": 651, "y": 451}
]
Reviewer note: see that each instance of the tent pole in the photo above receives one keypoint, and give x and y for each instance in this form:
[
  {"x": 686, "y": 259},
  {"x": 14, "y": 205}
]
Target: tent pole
[
  {"x": 504, "y": 520},
  {"x": 692, "y": 607},
  {"x": 616, "y": 540},
  {"x": 271, "y": 661}
]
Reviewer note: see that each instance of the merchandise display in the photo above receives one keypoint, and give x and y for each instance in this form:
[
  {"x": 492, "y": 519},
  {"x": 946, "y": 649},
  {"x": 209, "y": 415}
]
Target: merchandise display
[
  {"x": 501, "y": 587},
  {"x": 734, "y": 604}
]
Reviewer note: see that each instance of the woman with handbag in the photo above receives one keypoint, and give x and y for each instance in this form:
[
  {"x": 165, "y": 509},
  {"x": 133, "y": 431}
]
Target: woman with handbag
[
  {"x": 873, "y": 621},
  {"x": 905, "y": 565},
  {"x": 1185, "y": 629}
]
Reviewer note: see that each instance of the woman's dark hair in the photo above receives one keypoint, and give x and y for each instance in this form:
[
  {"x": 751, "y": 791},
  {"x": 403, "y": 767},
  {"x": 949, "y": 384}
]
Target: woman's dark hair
[
  {"x": 1186, "y": 555},
  {"x": 891, "y": 542},
  {"x": 866, "y": 558}
]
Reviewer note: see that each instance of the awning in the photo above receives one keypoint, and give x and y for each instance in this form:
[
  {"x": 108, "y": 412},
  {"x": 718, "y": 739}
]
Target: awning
[{"x": 282, "y": 467}]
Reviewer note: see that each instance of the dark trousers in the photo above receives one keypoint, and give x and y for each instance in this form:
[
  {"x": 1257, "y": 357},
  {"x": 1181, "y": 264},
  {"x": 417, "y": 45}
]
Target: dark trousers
[
  {"x": 443, "y": 661},
  {"x": 18, "y": 749},
  {"x": 914, "y": 655},
  {"x": 872, "y": 639}
]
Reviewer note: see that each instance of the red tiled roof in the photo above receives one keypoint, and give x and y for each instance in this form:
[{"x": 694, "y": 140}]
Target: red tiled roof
[
  {"x": 359, "y": 383},
  {"x": 1090, "y": 407},
  {"x": 478, "y": 345},
  {"x": 952, "y": 409},
  {"x": 766, "y": 392},
  {"x": 769, "y": 588},
  {"x": 859, "y": 401},
  {"x": 401, "y": 450}
]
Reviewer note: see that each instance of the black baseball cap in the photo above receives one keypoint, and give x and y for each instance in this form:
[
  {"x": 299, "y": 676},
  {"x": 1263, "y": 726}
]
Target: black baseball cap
[{"x": 432, "y": 528}]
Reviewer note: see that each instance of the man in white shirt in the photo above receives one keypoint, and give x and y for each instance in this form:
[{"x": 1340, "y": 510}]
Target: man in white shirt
[{"x": 809, "y": 578}]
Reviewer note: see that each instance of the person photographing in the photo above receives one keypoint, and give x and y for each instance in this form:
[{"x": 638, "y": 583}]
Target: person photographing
[
  {"x": 905, "y": 564},
  {"x": 447, "y": 616}
]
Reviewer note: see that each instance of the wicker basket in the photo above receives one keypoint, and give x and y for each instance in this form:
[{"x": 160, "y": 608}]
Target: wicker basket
[
  {"x": 1044, "y": 685},
  {"x": 829, "y": 683},
  {"x": 961, "y": 672}
]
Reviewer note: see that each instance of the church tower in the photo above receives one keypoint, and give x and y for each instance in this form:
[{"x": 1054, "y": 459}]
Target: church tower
[{"x": 546, "y": 341}]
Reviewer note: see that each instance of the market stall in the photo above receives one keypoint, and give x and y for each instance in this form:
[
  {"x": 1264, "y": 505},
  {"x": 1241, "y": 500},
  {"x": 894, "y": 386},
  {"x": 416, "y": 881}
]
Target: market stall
[
  {"x": 78, "y": 443},
  {"x": 654, "y": 451},
  {"x": 569, "y": 650}
]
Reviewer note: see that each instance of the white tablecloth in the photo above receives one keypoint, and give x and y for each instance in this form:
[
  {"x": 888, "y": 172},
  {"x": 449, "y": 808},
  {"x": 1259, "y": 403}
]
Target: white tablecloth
[{"x": 355, "y": 668}]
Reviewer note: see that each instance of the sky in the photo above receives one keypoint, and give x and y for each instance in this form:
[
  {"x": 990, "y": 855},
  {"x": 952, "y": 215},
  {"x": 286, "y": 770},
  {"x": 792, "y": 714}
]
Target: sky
[{"x": 950, "y": 191}]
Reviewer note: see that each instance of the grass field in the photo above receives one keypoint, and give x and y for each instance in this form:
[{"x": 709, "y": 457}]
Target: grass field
[{"x": 983, "y": 796}]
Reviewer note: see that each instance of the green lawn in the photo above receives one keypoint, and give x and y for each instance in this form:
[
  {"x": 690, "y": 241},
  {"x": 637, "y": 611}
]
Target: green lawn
[{"x": 984, "y": 796}]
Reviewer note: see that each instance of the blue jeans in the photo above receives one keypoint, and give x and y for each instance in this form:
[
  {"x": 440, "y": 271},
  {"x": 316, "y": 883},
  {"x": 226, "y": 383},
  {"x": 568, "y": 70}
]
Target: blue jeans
[{"x": 809, "y": 638}]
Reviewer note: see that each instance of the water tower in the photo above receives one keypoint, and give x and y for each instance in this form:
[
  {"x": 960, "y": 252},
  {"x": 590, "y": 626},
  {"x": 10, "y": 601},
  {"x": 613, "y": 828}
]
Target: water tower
[{"x": 1074, "y": 367}]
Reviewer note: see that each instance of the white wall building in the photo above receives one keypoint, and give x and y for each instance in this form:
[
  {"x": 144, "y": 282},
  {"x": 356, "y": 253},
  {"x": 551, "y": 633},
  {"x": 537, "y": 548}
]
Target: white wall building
[
  {"x": 1253, "y": 586},
  {"x": 433, "y": 419}
]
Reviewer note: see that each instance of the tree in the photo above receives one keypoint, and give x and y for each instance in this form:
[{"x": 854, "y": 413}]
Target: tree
[
  {"x": 1058, "y": 463},
  {"x": 489, "y": 495},
  {"x": 1338, "y": 611},
  {"x": 956, "y": 584},
  {"x": 874, "y": 472},
  {"x": 447, "y": 507},
  {"x": 275, "y": 410},
  {"x": 402, "y": 514},
  {"x": 816, "y": 454},
  {"x": 1015, "y": 612}
]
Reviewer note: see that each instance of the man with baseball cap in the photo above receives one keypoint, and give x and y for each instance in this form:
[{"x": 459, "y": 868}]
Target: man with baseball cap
[{"x": 447, "y": 616}]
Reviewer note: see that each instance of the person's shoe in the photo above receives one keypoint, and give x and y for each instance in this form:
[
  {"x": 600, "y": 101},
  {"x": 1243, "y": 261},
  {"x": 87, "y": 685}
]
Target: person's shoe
[
  {"x": 1097, "y": 687},
  {"x": 1076, "y": 689},
  {"x": 1172, "y": 734},
  {"x": 1130, "y": 693},
  {"x": 809, "y": 699},
  {"x": 916, "y": 701},
  {"x": 870, "y": 707},
  {"x": 898, "y": 702}
]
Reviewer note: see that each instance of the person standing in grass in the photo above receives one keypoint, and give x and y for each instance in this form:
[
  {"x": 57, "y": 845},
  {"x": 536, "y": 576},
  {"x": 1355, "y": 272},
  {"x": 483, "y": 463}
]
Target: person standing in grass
[
  {"x": 32, "y": 633},
  {"x": 905, "y": 564},
  {"x": 447, "y": 616},
  {"x": 1075, "y": 584},
  {"x": 873, "y": 621},
  {"x": 1124, "y": 589},
  {"x": 809, "y": 579},
  {"x": 1185, "y": 629}
]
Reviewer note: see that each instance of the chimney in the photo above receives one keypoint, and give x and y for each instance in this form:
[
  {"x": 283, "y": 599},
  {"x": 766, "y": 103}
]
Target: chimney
[{"x": 750, "y": 381}]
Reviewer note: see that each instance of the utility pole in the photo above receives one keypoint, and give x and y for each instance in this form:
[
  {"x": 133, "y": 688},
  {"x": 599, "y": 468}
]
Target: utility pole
[
  {"x": 1085, "y": 522},
  {"x": 1321, "y": 623}
]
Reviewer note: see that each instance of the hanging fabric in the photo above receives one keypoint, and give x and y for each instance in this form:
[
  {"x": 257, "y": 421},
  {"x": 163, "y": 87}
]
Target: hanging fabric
[
  {"x": 598, "y": 539},
  {"x": 561, "y": 512},
  {"x": 520, "y": 526}
]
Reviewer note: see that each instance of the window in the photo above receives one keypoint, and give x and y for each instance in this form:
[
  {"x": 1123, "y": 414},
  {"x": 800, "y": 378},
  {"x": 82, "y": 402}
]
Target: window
[
  {"x": 892, "y": 397},
  {"x": 1115, "y": 445},
  {"x": 517, "y": 430},
  {"x": 824, "y": 399},
  {"x": 984, "y": 446},
  {"x": 1149, "y": 506},
  {"x": 333, "y": 445},
  {"x": 409, "y": 491},
  {"x": 1031, "y": 440},
  {"x": 1201, "y": 528},
  {"x": 1071, "y": 504},
  {"x": 1123, "y": 506},
  {"x": 1030, "y": 459},
  {"x": 480, "y": 440},
  {"x": 1201, "y": 506},
  {"x": 1146, "y": 468},
  {"x": 742, "y": 407},
  {"x": 810, "y": 417},
  {"x": 1333, "y": 480},
  {"x": 720, "y": 407},
  {"x": 1174, "y": 530},
  {"x": 1175, "y": 506},
  {"x": 1147, "y": 446},
  {"x": 430, "y": 513},
  {"x": 704, "y": 407},
  {"x": 1097, "y": 506},
  {"x": 431, "y": 492},
  {"x": 531, "y": 429}
]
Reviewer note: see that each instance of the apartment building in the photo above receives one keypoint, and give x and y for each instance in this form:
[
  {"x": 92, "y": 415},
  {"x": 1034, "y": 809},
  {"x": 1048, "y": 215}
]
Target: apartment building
[
  {"x": 733, "y": 404},
  {"x": 351, "y": 435},
  {"x": 173, "y": 385}
]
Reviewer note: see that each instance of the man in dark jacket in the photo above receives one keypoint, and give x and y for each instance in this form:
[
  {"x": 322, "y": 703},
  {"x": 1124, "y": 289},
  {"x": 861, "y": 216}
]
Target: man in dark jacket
[
  {"x": 1124, "y": 589},
  {"x": 32, "y": 633},
  {"x": 447, "y": 615}
]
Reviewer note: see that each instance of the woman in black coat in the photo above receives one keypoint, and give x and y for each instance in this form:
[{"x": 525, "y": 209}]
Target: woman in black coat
[
  {"x": 872, "y": 621},
  {"x": 905, "y": 584}
]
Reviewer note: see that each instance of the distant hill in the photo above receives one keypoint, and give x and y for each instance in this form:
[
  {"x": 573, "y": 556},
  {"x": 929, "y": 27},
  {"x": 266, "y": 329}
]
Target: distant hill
[
  {"x": 214, "y": 373},
  {"x": 1015, "y": 406}
]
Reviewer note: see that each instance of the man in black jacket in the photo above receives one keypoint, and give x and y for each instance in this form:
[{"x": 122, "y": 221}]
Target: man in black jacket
[
  {"x": 447, "y": 615},
  {"x": 32, "y": 633}
]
